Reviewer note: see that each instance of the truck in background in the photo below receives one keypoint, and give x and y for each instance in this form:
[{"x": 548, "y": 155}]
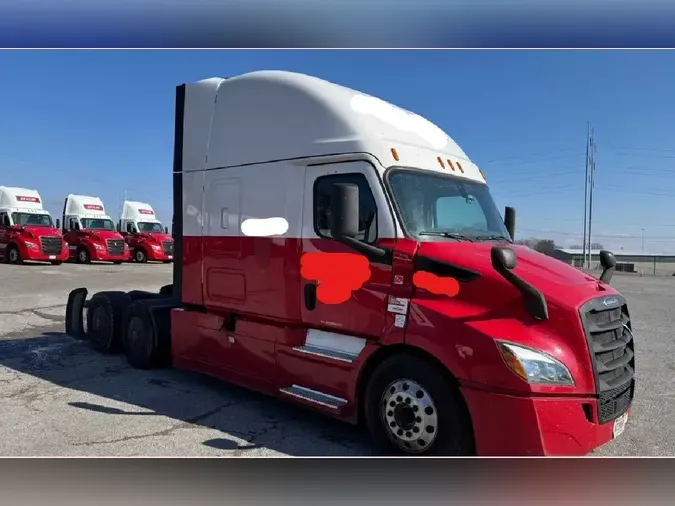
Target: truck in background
[
  {"x": 145, "y": 235},
  {"x": 27, "y": 231},
  {"x": 344, "y": 254},
  {"x": 90, "y": 232}
]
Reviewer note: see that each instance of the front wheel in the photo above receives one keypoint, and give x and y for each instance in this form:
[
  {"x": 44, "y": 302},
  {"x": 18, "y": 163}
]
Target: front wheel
[
  {"x": 411, "y": 408},
  {"x": 12, "y": 255},
  {"x": 83, "y": 256},
  {"x": 140, "y": 256}
]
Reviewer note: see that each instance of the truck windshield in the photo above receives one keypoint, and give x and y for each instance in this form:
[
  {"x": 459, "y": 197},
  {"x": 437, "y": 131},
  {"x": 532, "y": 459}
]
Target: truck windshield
[
  {"x": 97, "y": 224},
  {"x": 439, "y": 205},
  {"x": 32, "y": 220},
  {"x": 150, "y": 227}
]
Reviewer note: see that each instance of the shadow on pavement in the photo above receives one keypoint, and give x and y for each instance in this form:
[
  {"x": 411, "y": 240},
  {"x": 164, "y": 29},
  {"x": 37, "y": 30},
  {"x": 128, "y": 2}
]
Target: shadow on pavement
[{"x": 255, "y": 420}]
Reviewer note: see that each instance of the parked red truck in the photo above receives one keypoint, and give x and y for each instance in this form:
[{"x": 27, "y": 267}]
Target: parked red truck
[
  {"x": 345, "y": 254},
  {"x": 27, "y": 231},
  {"x": 145, "y": 235},
  {"x": 90, "y": 232}
]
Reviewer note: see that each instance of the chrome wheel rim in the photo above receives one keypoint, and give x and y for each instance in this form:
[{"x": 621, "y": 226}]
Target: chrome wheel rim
[
  {"x": 83, "y": 256},
  {"x": 13, "y": 255},
  {"x": 409, "y": 416}
]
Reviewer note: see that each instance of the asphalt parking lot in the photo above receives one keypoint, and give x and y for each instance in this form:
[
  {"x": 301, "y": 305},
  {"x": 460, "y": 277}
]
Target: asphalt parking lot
[{"x": 60, "y": 398}]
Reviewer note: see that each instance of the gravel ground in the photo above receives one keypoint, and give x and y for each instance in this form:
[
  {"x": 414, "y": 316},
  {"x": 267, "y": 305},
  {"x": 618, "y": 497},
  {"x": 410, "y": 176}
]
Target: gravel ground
[{"x": 60, "y": 398}]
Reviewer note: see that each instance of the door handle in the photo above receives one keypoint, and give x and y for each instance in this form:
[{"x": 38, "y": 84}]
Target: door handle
[{"x": 310, "y": 296}]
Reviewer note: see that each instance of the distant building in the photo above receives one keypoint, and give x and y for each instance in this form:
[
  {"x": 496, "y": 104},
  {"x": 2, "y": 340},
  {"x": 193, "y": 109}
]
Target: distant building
[{"x": 627, "y": 261}]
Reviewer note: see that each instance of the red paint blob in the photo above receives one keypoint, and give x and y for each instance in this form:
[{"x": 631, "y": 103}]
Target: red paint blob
[
  {"x": 435, "y": 284},
  {"x": 338, "y": 274}
]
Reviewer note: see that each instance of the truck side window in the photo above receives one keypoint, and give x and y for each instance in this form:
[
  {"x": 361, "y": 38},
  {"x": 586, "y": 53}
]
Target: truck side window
[
  {"x": 4, "y": 217},
  {"x": 367, "y": 206}
]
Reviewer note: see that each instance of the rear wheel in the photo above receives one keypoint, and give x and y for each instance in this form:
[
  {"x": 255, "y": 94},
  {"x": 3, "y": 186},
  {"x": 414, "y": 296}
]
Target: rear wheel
[
  {"x": 83, "y": 256},
  {"x": 105, "y": 320},
  {"x": 12, "y": 255},
  {"x": 140, "y": 256},
  {"x": 145, "y": 345},
  {"x": 411, "y": 408}
]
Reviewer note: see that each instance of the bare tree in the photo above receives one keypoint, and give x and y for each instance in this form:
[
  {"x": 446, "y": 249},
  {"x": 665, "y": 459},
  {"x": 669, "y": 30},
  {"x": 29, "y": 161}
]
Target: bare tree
[{"x": 596, "y": 245}]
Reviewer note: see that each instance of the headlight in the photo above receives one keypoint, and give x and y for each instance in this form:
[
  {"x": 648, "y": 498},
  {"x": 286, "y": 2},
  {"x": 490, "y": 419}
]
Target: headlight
[
  {"x": 535, "y": 367},
  {"x": 156, "y": 248},
  {"x": 31, "y": 245},
  {"x": 99, "y": 247}
]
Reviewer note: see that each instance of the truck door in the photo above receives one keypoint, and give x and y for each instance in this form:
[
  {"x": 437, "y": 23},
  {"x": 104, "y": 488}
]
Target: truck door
[
  {"x": 4, "y": 231},
  {"x": 363, "y": 314}
]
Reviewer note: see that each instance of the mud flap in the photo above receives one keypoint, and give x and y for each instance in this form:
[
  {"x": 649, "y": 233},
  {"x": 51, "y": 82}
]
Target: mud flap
[{"x": 75, "y": 313}]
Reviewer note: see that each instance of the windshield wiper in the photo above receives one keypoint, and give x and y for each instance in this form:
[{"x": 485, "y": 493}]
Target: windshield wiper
[
  {"x": 499, "y": 238},
  {"x": 450, "y": 235}
]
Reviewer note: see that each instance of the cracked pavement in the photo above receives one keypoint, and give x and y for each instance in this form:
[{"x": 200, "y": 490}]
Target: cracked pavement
[{"x": 60, "y": 398}]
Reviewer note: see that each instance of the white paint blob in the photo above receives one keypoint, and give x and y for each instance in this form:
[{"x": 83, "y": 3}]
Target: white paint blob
[
  {"x": 398, "y": 118},
  {"x": 264, "y": 227}
]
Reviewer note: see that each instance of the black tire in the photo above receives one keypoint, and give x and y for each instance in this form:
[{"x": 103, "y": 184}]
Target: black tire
[
  {"x": 423, "y": 399},
  {"x": 12, "y": 255},
  {"x": 140, "y": 256},
  {"x": 146, "y": 344},
  {"x": 105, "y": 320},
  {"x": 82, "y": 256},
  {"x": 56, "y": 262}
]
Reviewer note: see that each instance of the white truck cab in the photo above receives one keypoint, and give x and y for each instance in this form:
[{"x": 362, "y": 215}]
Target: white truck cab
[{"x": 140, "y": 217}]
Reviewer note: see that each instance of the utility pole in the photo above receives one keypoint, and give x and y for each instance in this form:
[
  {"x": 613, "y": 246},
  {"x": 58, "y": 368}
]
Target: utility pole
[
  {"x": 643, "y": 240},
  {"x": 588, "y": 141},
  {"x": 591, "y": 151}
]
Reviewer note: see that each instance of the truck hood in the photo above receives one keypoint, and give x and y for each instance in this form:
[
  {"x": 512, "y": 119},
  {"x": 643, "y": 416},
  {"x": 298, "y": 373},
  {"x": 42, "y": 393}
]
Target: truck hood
[
  {"x": 558, "y": 281},
  {"x": 103, "y": 234},
  {"x": 155, "y": 235},
  {"x": 43, "y": 231}
]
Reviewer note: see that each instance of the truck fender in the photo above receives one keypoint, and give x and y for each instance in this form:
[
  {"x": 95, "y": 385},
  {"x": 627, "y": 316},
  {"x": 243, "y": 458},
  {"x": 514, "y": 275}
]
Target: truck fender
[{"x": 75, "y": 313}]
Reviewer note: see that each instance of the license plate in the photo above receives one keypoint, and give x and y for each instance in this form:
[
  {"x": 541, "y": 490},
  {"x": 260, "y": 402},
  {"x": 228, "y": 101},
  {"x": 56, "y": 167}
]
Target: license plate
[
  {"x": 170, "y": 257},
  {"x": 52, "y": 257},
  {"x": 620, "y": 425}
]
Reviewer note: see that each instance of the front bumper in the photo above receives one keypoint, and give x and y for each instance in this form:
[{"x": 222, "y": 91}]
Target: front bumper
[
  {"x": 37, "y": 255},
  {"x": 158, "y": 256},
  {"x": 506, "y": 425},
  {"x": 103, "y": 256}
]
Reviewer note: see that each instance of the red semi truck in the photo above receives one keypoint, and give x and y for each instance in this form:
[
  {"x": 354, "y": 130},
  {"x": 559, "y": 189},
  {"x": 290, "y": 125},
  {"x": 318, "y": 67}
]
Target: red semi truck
[
  {"x": 27, "y": 231},
  {"x": 145, "y": 235},
  {"x": 90, "y": 232},
  {"x": 345, "y": 254}
]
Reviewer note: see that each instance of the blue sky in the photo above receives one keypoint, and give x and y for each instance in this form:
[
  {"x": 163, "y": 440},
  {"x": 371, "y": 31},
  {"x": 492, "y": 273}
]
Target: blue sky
[{"x": 101, "y": 123}]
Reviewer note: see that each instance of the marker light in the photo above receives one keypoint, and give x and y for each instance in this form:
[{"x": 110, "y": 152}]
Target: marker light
[
  {"x": 535, "y": 367},
  {"x": 459, "y": 166},
  {"x": 440, "y": 162},
  {"x": 394, "y": 153}
]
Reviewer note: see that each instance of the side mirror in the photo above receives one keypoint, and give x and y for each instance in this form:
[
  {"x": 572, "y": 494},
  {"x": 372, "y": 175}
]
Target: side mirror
[
  {"x": 344, "y": 211},
  {"x": 608, "y": 263},
  {"x": 76, "y": 226},
  {"x": 130, "y": 228},
  {"x": 5, "y": 221},
  {"x": 58, "y": 223},
  {"x": 503, "y": 259},
  {"x": 510, "y": 221},
  {"x": 166, "y": 230}
]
